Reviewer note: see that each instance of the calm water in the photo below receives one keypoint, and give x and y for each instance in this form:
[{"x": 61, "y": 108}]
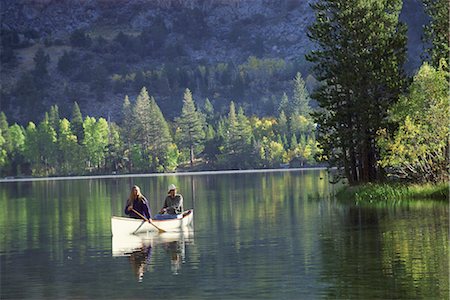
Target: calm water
[{"x": 273, "y": 235}]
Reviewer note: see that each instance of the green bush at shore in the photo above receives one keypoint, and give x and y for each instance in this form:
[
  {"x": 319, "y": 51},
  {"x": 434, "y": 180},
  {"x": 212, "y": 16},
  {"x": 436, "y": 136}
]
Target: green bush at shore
[{"x": 394, "y": 192}]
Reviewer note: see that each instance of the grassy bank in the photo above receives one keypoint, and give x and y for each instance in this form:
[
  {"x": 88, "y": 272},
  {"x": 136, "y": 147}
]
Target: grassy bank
[{"x": 394, "y": 192}]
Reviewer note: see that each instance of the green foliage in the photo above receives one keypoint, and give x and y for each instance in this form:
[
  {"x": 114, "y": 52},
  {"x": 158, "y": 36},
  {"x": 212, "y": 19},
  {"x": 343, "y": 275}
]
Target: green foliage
[
  {"x": 360, "y": 66},
  {"x": 393, "y": 193},
  {"x": 3, "y": 154},
  {"x": 95, "y": 141},
  {"x": 237, "y": 150},
  {"x": 4, "y": 127},
  {"x": 300, "y": 100},
  {"x": 191, "y": 124},
  {"x": 77, "y": 123},
  {"x": 418, "y": 149},
  {"x": 271, "y": 153},
  {"x": 437, "y": 31},
  {"x": 69, "y": 150},
  {"x": 143, "y": 141}
]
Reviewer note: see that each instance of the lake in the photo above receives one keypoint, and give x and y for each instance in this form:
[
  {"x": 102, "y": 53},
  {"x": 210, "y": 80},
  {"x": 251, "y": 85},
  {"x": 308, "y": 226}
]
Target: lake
[{"x": 256, "y": 235}]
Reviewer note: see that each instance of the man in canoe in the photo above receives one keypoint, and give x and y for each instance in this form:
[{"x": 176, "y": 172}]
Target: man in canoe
[
  {"x": 136, "y": 201},
  {"x": 173, "y": 205}
]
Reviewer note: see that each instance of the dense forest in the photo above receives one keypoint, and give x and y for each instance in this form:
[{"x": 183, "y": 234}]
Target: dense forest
[
  {"x": 146, "y": 142},
  {"x": 366, "y": 115}
]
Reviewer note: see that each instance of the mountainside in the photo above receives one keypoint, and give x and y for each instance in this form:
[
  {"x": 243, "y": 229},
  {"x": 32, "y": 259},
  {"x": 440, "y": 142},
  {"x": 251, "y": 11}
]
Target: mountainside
[{"x": 97, "y": 51}]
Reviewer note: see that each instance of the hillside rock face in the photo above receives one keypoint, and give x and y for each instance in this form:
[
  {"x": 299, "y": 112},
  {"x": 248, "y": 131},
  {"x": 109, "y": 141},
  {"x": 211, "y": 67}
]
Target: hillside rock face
[
  {"x": 280, "y": 24},
  {"x": 209, "y": 31}
]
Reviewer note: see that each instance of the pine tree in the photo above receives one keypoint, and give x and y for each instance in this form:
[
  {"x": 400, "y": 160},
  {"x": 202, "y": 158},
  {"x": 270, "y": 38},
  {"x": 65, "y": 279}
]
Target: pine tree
[
  {"x": 191, "y": 125},
  {"x": 284, "y": 103},
  {"x": 142, "y": 119},
  {"x": 360, "y": 66},
  {"x": 300, "y": 100},
  {"x": 151, "y": 130},
  {"x": 436, "y": 33},
  {"x": 238, "y": 139},
  {"x": 76, "y": 123},
  {"x": 127, "y": 122},
  {"x": 208, "y": 109},
  {"x": 53, "y": 117},
  {"x": 282, "y": 124}
]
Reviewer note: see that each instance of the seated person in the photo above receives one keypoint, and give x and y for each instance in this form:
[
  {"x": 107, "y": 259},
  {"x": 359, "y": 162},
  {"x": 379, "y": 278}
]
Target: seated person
[
  {"x": 138, "y": 202},
  {"x": 173, "y": 205}
]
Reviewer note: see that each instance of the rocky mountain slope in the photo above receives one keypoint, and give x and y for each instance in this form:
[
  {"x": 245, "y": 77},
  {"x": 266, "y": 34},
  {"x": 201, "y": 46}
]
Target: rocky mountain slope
[{"x": 184, "y": 32}]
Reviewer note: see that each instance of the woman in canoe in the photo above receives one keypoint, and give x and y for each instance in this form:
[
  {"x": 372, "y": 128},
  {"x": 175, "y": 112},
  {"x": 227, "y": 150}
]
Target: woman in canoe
[
  {"x": 173, "y": 205},
  {"x": 137, "y": 201}
]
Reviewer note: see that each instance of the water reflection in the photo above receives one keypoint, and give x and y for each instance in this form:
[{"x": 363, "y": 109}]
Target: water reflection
[
  {"x": 140, "y": 260},
  {"x": 257, "y": 236},
  {"x": 386, "y": 251},
  {"x": 139, "y": 248}
]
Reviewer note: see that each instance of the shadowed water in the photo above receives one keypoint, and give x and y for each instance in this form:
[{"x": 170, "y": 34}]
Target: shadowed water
[{"x": 269, "y": 235}]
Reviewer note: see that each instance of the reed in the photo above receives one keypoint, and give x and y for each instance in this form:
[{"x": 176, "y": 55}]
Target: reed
[{"x": 394, "y": 192}]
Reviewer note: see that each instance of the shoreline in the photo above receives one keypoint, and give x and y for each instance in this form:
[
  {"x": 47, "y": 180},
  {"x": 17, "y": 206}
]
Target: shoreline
[
  {"x": 393, "y": 192},
  {"x": 112, "y": 176}
]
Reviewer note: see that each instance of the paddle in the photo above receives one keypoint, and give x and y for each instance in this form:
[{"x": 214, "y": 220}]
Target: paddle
[{"x": 148, "y": 220}]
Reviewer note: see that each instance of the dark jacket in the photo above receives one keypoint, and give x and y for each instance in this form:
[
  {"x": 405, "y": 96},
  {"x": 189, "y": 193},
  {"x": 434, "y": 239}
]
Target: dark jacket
[{"x": 140, "y": 205}]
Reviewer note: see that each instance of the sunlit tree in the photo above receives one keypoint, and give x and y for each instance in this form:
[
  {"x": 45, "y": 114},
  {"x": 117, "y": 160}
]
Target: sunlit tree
[
  {"x": 360, "y": 66},
  {"x": 418, "y": 149},
  {"x": 191, "y": 124}
]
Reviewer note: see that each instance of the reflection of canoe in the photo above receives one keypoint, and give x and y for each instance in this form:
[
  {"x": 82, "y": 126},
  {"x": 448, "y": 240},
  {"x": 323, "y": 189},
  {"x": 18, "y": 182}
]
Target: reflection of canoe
[
  {"x": 124, "y": 245},
  {"x": 121, "y": 225}
]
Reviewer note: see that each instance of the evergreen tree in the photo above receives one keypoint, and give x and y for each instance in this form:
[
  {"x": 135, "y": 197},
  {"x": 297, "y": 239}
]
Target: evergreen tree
[
  {"x": 40, "y": 147},
  {"x": 114, "y": 158},
  {"x": 282, "y": 124},
  {"x": 360, "y": 66},
  {"x": 208, "y": 110},
  {"x": 436, "y": 33},
  {"x": 76, "y": 123},
  {"x": 238, "y": 139},
  {"x": 53, "y": 117},
  {"x": 152, "y": 130},
  {"x": 300, "y": 100},
  {"x": 142, "y": 119},
  {"x": 284, "y": 104},
  {"x": 127, "y": 122},
  {"x": 191, "y": 125}
]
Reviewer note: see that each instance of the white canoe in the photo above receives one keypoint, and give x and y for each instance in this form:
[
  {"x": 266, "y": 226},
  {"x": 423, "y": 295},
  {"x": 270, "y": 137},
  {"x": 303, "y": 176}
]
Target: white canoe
[{"x": 123, "y": 225}]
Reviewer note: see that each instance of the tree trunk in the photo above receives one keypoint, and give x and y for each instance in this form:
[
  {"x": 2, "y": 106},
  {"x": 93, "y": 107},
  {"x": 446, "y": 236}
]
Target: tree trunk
[{"x": 191, "y": 150}]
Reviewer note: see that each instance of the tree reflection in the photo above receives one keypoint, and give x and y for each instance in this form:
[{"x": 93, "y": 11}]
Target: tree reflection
[{"x": 373, "y": 252}]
